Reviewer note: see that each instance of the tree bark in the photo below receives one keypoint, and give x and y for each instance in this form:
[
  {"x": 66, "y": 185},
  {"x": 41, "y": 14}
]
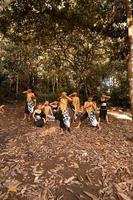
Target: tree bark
[
  {"x": 53, "y": 84},
  {"x": 17, "y": 84},
  {"x": 130, "y": 61}
]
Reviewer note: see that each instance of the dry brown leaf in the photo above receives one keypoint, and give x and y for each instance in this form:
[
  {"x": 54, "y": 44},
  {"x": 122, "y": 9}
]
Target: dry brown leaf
[
  {"x": 120, "y": 193},
  {"x": 71, "y": 191},
  {"x": 69, "y": 180},
  {"x": 91, "y": 195},
  {"x": 43, "y": 195},
  {"x": 59, "y": 198},
  {"x": 74, "y": 165}
]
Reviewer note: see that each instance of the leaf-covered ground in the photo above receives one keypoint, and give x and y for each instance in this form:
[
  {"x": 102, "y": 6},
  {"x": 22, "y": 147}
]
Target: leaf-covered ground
[{"x": 43, "y": 164}]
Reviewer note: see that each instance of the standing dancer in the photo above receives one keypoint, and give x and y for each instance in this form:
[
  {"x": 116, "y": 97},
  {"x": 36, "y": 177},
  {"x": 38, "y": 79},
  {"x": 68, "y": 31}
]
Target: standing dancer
[
  {"x": 63, "y": 115},
  {"x": 63, "y": 101},
  {"x": 103, "y": 109},
  {"x": 75, "y": 106},
  {"x": 30, "y": 103},
  {"x": 89, "y": 108}
]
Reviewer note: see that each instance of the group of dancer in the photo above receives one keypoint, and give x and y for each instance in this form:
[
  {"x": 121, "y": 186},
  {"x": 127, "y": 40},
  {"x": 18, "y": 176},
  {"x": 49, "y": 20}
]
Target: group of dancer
[{"x": 60, "y": 110}]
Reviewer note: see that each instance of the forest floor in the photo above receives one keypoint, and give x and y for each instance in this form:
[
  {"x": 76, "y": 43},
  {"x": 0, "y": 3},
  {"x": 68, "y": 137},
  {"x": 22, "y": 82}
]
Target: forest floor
[{"x": 86, "y": 164}]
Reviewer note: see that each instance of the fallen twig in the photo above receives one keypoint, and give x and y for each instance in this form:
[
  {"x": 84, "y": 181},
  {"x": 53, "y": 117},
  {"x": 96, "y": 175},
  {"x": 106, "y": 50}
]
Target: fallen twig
[
  {"x": 91, "y": 195},
  {"x": 120, "y": 194},
  {"x": 71, "y": 191},
  {"x": 59, "y": 198}
]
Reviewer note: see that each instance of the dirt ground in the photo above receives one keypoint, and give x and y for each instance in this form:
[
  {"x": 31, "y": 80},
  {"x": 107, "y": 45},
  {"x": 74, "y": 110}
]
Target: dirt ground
[{"x": 43, "y": 164}]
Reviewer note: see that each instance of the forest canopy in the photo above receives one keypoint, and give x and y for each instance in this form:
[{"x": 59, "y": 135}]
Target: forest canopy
[{"x": 64, "y": 45}]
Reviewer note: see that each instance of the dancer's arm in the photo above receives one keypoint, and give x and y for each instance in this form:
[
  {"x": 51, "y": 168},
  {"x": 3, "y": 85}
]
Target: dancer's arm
[
  {"x": 25, "y": 92},
  {"x": 68, "y": 98}
]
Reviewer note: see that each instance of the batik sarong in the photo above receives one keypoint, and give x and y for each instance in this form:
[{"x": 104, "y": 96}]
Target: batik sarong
[
  {"x": 92, "y": 119},
  {"x": 66, "y": 119}
]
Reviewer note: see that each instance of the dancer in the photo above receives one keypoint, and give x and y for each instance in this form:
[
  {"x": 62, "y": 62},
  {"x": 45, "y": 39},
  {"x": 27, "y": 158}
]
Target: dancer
[
  {"x": 103, "y": 109},
  {"x": 64, "y": 120},
  {"x": 89, "y": 108},
  {"x": 30, "y": 103},
  {"x": 63, "y": 114},
  {"x": 54, "y": 106},
  {"x": 39, "y": 116},
  {"x": 75, "y": 106},
  {"x": 2, "y": 109},
  {"x": 48, "y": 111},
  {"x": 63, "y": 101}
]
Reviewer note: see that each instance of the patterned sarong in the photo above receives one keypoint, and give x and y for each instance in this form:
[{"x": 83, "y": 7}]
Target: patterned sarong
[
  {"x": 30, "y": 106},
  {"x": 92, "y": 119},
  {"x": 66, "y": 119}
]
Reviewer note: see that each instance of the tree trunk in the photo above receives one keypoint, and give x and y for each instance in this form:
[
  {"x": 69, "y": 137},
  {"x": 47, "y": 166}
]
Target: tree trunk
[
  {"x": 17, "y": 84},
  {"x": 130, "y": 61},
  {"x": 86, "y": 88},
  {"x": 57, "y": 84},
  {"x": 53, "y": 83}
]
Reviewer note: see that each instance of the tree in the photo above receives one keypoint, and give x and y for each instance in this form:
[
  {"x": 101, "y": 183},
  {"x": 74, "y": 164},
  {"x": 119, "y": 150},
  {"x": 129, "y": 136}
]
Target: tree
[
  {"x": 130, "y": 60},
  {"x": 67, "y": 44}
]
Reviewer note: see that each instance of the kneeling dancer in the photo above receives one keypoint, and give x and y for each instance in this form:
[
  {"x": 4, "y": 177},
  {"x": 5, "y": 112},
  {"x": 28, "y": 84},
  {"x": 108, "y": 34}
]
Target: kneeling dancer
[
  {"x": 39, "y": 116},
  {"x": 54, "y": 106},
  {"x": 48, "y": 112}
]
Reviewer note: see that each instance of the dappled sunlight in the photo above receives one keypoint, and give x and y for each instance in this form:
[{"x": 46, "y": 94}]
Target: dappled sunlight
[{"x": 120, "y": 115}]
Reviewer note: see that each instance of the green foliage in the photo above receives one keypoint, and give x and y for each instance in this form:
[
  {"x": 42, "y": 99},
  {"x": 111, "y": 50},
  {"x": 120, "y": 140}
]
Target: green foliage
[
  {"x": 67, "y": 45},
  {"x": 119, "y": 97}
]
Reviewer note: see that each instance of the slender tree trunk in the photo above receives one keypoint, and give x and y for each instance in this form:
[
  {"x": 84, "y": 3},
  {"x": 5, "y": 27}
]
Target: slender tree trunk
[
  {"x": 86, "y": 88},
  {"x": 130, "y": 61},
  {"x": 20, "y": 84},
  {"x": 59, "y": 83},
  {"x": 17, "y": 84},
  {"x": 53, "y": 84},
  {"x": 56, "y": 84}
]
